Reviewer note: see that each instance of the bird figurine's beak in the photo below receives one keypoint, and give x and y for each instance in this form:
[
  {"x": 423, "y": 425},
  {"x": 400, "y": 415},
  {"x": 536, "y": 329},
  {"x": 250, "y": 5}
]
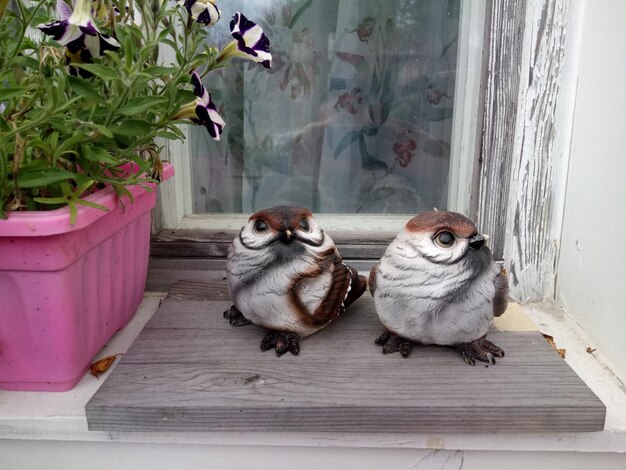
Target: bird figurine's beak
[
  {"x": 286, "y": 237},
  {"x": 477, "y": 241}
]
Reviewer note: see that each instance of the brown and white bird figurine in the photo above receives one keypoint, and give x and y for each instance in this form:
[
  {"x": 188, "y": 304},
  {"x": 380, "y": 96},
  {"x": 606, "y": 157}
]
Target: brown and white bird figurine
[
  {"x": 437, "y": 283},
  {"x": 286, "y": 275}
]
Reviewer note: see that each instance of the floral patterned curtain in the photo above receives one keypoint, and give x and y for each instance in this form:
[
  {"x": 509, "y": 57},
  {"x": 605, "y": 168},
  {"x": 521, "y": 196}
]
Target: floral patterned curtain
[{"x": 355, "y": 115}]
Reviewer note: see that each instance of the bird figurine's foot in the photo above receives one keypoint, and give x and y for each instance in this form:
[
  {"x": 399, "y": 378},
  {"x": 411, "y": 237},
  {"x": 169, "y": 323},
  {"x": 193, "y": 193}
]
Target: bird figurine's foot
[
  {"x": 392, "y": 343},
  {"x": 235, "y": 317},
  {"x": 481, "y": 350},
  {"x": 281, "y": 342}
]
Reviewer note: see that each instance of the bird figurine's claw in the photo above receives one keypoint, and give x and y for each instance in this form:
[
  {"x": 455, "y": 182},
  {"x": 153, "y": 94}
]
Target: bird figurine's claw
[
  {"x": 481, "y": 350},
  {"x": 235, "y": 317},
  {"x": 281, "y": 342},
  {"x": 392, "y": 343}
]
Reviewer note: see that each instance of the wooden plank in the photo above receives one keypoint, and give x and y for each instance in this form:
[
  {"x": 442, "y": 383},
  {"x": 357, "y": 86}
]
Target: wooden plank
[
  {"x": 163, "y": 273},
  {"x": 210, "y": 249},
  {"x": 190, "y": 371},
  {"x": 539, "y": 172},
  {"x": 200, "y": 243},
  {"x": 226, "y": 236},
  {"x": 530, "y": 96},
  {"x": 502, "y": 77},
  {"x": 196, "y": 290}
]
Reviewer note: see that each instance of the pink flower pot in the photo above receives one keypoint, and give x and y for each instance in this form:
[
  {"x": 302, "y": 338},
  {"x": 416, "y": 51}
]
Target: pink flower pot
[{"x": 66, "y": 289}]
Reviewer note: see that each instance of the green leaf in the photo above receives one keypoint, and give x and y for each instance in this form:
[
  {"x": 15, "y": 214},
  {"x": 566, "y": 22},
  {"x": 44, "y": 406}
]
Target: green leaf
[
  {"x": 70, "y": 144},
  {"x": 141, "y": 104},
  {"x": 375, "y": 87},
  {"x": 185, "y": 96},
  {"x": 35, "y": 178},
  {"x": 158, "y": 71},
  {"x": 6, "y": 93},
  {"x": 105, "y": 131},
  {"x": 84, "y": 88},
  {"x": 26, "y": 61},
  {"x": 298, "y": 13},
  {"x": 346, "y": 141},
  {"x": 370, "y": 130},
  {"x": 97, "y": 154},
  {"x": 100, "y": 70},
  {"x": 122, "y": 191},
  {"x": 169, "y": 135},
  {"x": 92, "y": 204},
  {"x": 132, "y": 128},
  {"x": 50, "y": 200},
  {"x": 368, "y": 162},
  {"x": 389, "y": 26}
]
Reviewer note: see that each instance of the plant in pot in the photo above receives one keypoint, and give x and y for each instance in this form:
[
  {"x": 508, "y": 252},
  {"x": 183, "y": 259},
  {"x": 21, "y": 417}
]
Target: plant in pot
[{"x": 89, "y": 91}]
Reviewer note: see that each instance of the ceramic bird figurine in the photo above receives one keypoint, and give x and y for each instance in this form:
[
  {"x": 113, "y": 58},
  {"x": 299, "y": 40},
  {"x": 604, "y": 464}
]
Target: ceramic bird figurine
[
  {"x": 286, "y": 275},
  {"x": 437, "y": 283}
]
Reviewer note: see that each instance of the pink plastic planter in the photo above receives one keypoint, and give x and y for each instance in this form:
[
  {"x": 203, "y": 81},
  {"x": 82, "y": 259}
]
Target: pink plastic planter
[{"x": 65, "y": 290}]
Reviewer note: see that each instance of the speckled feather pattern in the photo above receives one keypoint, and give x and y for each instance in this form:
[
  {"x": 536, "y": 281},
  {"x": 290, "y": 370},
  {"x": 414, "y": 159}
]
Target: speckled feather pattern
[{"x": 436, "y": 296}]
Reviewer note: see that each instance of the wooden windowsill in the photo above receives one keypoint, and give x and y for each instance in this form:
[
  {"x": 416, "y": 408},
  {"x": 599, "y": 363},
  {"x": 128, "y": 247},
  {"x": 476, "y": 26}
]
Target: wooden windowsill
[{"x": 61, "y": 416}]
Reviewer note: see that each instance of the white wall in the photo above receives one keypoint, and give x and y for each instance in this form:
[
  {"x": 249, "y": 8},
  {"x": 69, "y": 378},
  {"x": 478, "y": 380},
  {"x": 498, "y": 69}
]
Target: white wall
[{"x": 591, "y": 279}]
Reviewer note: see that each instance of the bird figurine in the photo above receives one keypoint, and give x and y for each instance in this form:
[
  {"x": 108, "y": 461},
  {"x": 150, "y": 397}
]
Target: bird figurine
[
  {"x": 437, "y": 283},
  {"x": 286, "y": 275}
]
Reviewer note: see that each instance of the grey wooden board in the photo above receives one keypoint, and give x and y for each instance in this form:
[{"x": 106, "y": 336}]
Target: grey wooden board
[
  {"x": 189, "y": 370},
  {"x": 163, "y": 273},
  {"x": 199, "y": 243}
]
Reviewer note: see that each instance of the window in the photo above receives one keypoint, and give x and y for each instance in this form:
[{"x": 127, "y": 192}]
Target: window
[{"x": 365, "y": 110}]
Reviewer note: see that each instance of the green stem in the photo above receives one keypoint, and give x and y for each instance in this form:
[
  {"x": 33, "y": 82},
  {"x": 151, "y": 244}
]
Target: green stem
[
  {"x": 25, "y": 25},
  {"x": 3, "y": 7},
  {"x": 42, "y": 119},
  {"x": 119, "y": 103}
]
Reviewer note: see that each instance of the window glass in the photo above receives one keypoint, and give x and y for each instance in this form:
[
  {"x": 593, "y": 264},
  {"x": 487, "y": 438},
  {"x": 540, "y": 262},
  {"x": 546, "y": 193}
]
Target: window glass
[{"x": 355, "y": 115}]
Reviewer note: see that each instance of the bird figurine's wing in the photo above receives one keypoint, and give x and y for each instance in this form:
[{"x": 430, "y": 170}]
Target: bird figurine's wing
[
  {"x": 344, "y": 287},
  {"x": 372, "y": 279},
  {"x": 501, "y": 299}
]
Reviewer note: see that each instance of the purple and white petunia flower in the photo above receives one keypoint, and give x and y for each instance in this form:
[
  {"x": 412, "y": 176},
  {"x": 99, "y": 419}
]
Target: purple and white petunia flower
[
  {"x": 203, "y": 11},
  {"x": 77, "y": 30},
  {"x": 202, "y": 110},
  {"x": 250, "y": 42}
]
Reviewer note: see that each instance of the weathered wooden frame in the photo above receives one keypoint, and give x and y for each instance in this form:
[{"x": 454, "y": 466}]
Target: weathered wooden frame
[{"x": 530, "y": 89}]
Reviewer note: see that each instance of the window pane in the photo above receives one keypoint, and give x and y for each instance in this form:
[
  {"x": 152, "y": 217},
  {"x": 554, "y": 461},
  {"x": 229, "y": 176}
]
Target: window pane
[{"x": 355, "y": 115}]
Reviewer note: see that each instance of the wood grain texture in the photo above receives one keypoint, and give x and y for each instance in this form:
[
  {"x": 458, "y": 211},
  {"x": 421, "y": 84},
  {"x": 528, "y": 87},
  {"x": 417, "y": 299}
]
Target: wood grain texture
[
  {"x": 502, "y": 78},
  {"x": 527, "y": 129},
  {"x": 163, "y": 273},
  {"x": 190, "y": 371},
  {"x": 214, "y": 244},
  {"x": 534, "y": 209}
]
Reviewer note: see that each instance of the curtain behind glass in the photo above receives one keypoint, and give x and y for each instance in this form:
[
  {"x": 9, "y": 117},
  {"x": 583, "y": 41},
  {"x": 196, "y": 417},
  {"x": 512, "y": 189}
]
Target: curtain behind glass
[{"x": 355, "y": 115}]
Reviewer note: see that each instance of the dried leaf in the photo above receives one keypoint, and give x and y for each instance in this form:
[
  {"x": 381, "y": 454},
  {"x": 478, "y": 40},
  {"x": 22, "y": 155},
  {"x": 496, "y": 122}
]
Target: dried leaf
[
  {"x": 551, "y": 342},
  {"x": 101, "y": 366}
]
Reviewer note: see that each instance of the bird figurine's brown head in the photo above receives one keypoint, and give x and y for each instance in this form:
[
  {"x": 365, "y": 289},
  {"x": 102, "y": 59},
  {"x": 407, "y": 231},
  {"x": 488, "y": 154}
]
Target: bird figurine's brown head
[
  {"x": 283, "y": 224},
  {"x": 443, "y": 236}
]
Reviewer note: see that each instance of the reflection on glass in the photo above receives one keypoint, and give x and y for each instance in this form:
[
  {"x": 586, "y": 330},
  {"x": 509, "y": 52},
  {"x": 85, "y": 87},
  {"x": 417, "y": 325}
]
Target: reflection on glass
[{"x": 355, "y": 115}]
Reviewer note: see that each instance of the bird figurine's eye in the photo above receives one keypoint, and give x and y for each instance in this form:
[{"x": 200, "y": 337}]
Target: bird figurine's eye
[
  {"x": 260, "y": 225},
  {"x": 304, "y": 225},
  {"x": 444, "y": 239}
]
